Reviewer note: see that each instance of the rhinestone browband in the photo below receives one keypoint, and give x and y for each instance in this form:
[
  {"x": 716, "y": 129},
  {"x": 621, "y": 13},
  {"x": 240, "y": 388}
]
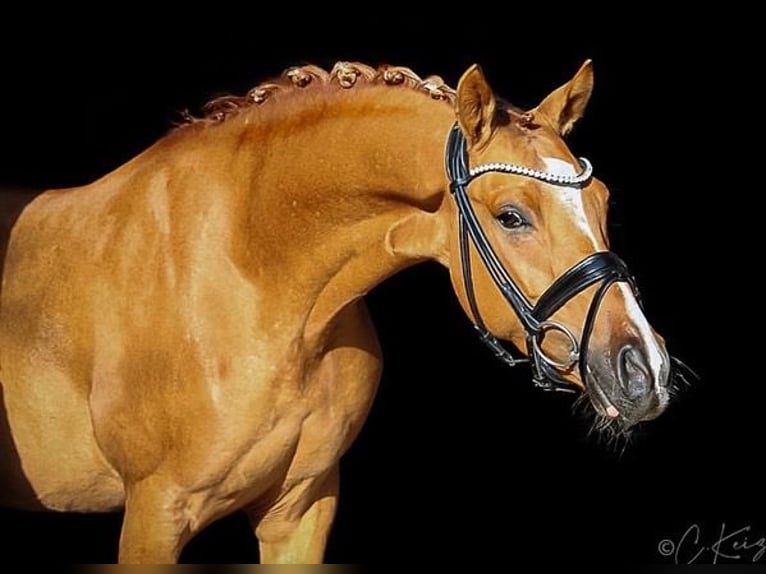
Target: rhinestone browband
[{"x": 569, "y": 180}]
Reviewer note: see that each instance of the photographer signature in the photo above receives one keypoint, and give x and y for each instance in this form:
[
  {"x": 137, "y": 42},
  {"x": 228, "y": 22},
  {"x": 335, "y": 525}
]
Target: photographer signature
[{"x": 727, "y": 545}]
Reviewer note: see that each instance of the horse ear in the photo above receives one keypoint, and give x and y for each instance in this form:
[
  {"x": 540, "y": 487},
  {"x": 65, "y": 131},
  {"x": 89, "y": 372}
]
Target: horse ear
[
  {"x": 475, "y": 107},
  {"x": 565, "y": 105}
]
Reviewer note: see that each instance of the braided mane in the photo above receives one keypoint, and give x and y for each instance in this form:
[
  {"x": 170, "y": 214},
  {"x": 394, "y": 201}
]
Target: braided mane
[{"x": 344, "y": 75}]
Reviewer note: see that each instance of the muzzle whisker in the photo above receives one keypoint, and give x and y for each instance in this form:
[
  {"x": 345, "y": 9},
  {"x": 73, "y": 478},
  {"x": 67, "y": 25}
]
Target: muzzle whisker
[
  {"x": 682, "y": 372},
  {"x": 607, "y": 432}
]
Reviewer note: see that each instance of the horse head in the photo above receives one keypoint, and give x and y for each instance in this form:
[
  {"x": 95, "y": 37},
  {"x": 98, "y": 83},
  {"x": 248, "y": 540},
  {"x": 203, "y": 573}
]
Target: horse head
[{"x": 529, "y": 253}]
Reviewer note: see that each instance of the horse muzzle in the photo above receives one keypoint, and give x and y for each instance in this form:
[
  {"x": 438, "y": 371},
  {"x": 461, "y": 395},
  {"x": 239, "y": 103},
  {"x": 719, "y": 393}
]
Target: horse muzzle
[{"x": 629, "y": 384}]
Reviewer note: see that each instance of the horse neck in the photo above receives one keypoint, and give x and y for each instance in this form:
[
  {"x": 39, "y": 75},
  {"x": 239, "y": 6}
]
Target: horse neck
[{"x": 321, "y": 188}]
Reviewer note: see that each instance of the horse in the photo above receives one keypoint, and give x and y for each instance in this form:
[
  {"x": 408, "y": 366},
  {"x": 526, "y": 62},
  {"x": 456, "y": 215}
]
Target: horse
[{"x": 186, "y": 336}]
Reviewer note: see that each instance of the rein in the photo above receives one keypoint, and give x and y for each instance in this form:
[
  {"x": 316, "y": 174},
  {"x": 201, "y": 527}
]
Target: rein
[{"x": 602, "y": 266}]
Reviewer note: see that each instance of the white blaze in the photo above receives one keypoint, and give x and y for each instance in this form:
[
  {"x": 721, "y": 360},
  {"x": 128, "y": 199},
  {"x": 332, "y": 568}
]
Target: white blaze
[{"x": 571, "y": 198}]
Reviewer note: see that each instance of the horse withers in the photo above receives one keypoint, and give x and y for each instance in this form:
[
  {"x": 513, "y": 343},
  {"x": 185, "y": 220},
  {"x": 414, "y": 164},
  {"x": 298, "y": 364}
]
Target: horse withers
[{"x": 187, "y": 337}]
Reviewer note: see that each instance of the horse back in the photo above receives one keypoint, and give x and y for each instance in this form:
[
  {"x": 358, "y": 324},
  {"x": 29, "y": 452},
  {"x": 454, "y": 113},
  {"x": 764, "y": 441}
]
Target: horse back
[{"x": 13, "y": 200}]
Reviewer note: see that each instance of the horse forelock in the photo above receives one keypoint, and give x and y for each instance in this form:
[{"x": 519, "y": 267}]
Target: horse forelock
[{"x": 343, "y": 75}]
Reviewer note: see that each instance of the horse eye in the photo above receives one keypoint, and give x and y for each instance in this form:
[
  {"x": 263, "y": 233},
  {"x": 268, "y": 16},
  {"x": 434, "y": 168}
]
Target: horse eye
[{"x": 511, "y": 219}]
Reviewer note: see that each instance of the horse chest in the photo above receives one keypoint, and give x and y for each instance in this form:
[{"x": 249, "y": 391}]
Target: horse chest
[
  {"x": 320, "y": 422},
  {"x": 292, "y": 436},
  {"x": 307, "y": 418}
]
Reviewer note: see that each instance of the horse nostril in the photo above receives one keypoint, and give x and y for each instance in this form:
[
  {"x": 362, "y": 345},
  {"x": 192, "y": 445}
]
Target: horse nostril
[{"x": 633, "y": 372}]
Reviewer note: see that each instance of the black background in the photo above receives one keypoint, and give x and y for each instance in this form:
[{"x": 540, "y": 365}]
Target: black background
[{"x": 461, "y": 459}]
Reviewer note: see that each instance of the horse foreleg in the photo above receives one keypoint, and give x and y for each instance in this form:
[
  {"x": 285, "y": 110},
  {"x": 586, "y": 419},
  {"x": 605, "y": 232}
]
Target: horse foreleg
[
  {"x": 156, "y": 526},
  {"x": 295, "y": 529}
]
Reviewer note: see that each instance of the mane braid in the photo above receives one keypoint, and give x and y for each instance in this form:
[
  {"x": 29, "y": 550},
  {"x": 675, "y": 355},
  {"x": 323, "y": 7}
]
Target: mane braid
[{"x": 344, "y": 75}]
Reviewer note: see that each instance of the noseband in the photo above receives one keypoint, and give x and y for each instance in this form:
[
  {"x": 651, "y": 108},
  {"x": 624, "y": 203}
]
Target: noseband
[{"x": 603, "y": 266}]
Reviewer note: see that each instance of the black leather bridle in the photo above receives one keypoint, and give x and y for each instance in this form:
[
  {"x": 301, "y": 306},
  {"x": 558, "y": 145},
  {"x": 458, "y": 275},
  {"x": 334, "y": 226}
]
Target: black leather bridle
[{"x": 602, "y": 266}]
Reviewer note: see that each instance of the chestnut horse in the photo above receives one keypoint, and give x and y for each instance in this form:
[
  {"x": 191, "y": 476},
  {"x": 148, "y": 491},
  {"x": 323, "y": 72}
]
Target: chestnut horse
[{"x": 186, "y": 336}]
